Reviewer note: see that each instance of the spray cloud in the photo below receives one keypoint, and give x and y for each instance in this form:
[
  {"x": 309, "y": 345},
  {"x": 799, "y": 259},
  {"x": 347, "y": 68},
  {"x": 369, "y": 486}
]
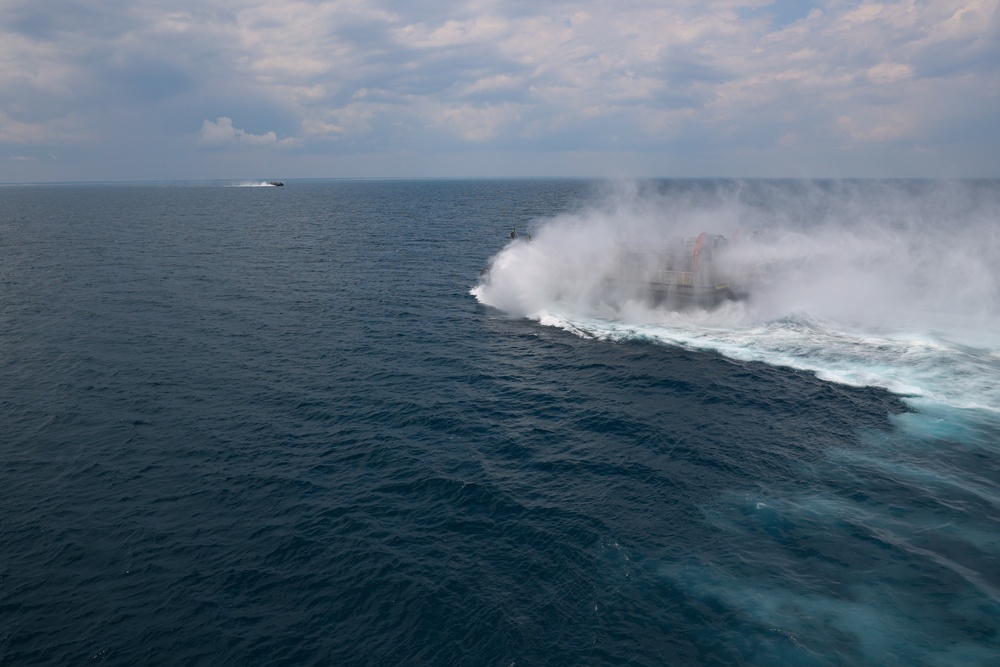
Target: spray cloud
[{"x": 874, "y": 254}]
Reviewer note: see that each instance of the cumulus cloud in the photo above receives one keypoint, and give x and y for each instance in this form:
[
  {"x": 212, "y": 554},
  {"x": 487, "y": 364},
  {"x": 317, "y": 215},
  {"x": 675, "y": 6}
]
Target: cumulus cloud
[{"x": 222, "y": 133}]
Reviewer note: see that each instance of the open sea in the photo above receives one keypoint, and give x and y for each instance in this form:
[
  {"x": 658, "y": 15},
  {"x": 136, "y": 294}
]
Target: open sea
[{"x": 250, "y": 425}]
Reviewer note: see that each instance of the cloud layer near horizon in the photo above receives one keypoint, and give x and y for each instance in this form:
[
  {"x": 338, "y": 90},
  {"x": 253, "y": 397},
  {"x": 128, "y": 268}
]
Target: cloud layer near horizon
[{"x": 708, "y": 87}]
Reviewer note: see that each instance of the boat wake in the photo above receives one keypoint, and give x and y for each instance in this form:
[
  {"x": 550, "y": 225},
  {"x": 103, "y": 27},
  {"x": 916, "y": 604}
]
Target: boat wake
[
  {"x": 886, "y": 285},
  {"x": 925, "y": 368},
  {"x": 256, "y": 184}
]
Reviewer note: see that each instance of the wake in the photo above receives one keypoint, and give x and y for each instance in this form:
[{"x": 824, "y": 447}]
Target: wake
[{"x": 885, "y": 284}]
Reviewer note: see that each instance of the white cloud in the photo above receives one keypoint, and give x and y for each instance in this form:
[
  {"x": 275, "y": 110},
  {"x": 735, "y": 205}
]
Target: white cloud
[
  {"x": 885, "y": 73},
  {"x": 453, "y": 33},
  {"x": 476, "y": 123},
  {"x": 350, "y": 121},
  {"x": 496, "y": 83},
  {"x": 222, "y": 133},
  {"x": 876, "y": 127}
]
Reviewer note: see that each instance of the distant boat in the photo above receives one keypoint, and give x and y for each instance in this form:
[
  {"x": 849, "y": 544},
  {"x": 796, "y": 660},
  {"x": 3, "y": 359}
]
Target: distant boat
[{"x": 276, "y": 184}]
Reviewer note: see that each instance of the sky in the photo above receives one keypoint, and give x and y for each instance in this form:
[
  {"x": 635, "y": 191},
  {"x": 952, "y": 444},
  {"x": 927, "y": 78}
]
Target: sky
[{"x": 106, "y": 90}]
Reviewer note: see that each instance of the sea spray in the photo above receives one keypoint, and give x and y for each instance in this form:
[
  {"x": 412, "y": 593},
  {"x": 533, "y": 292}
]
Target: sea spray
[{"x": 892, "y": 284}]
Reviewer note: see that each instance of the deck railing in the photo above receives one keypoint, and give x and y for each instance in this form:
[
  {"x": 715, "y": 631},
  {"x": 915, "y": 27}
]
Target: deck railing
[{"x": 674, "y": 277}]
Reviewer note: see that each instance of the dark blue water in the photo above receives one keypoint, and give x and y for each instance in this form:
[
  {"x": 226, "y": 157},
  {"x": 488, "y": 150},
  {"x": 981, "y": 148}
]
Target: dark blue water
[{"x": 249, "y": 425}]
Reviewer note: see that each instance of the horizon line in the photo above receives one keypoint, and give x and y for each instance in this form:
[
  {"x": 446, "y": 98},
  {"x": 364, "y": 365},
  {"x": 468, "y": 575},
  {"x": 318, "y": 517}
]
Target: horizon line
[{"x": 199, "y": 181}]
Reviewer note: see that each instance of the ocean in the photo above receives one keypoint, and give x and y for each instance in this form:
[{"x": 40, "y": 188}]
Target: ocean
[{"x": 302, "y": 425}]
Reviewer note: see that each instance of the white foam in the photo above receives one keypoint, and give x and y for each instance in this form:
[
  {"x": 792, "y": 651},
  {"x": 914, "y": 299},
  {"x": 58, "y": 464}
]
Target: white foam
[
  {"x": 921, "y": 367},
  {"x": 903, "y": 301}
]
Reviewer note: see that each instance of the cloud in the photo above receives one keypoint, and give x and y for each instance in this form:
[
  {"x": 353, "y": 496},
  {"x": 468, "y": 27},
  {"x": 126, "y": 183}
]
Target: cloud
[
  {"x": 477, "y": 123},
  {"x": 453, "y": 33},
  {"x": 701, "y": 79},
  {"x": 221, "y": 133},
  {"x": 887, "y": 73},
  {"x": 71, "y": 129},
  {"x": 876, "y": 127}
]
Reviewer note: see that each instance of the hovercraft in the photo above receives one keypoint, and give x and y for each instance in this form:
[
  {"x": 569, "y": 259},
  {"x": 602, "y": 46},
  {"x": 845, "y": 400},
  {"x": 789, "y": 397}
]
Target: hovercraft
[{"x": 683, "y": 273}]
